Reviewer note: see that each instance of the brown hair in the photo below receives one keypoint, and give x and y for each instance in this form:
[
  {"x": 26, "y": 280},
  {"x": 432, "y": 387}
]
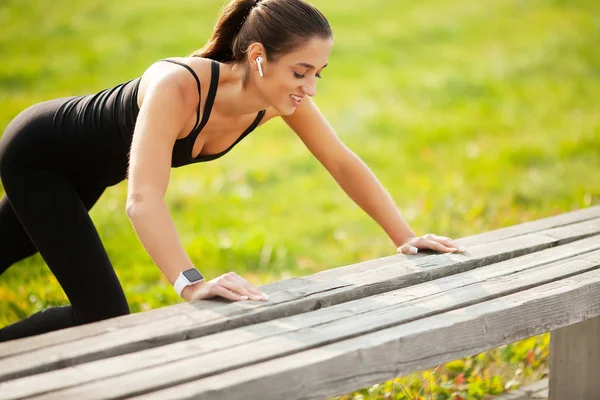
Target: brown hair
[{"x": 279, "y": 25}]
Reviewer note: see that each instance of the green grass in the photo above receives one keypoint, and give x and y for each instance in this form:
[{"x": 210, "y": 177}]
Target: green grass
[{"x": 473, "y": 114}]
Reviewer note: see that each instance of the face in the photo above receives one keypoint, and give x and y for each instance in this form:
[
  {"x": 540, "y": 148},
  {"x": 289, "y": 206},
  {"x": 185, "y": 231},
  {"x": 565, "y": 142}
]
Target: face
[{"x": 287, "y": 81}]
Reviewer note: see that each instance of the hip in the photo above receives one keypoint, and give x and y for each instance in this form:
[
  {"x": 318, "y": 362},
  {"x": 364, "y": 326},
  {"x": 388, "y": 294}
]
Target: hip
[{"x": 34, "y": 138}]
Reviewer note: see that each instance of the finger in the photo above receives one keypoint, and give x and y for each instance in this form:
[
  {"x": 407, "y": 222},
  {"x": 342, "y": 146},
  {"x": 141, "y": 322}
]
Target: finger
[
  {"x": 250, "y": 289},
  {"x": 238, "y": 285},
  {"x": 433, "y": 245},
  {"x": 228, "y": 294},
  {"x": 442, "y": 239},
  {"x": 449, "y": 243},
  {"x": 408, "y": 249},
  {"x": 446, "y": 241},
  {"x": 232, "y": 283},
  {"x": 460, "y": 247}
]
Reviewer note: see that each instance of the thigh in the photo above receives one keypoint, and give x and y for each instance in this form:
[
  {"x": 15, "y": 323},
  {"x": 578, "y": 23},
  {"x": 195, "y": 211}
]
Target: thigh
[
  {"x": 16, "y": 244},
  {"x": 21, "y": 141},
  {"x": 89, "y": 194},
  {"x": 30, "y": 137},
  {"x": 54, "y": 213}
]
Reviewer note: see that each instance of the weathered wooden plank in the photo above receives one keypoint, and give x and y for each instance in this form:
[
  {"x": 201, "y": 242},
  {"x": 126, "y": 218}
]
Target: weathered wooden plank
[
  {"x": 212, "y": 310},
  {"x": 115, "y": 324},
  {"x": 535, "y": 391},
  {"x": 247, "y": 346},
  {"x": 498, "y": 251},
  {"x": 69, "y": 335},
  {"x": 538, "y": 390},
  {"x": 181, "y": 326},
  {"x": 554, "y": 221},
  {"x": 352, "y": 364},
  {"x": 574, "y": 361}
]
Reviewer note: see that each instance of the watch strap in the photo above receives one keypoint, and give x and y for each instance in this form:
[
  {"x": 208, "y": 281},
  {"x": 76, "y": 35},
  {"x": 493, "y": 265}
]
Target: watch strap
[
  {"x": 182, "y": 281},
  {"x": 180, "y": 284}
]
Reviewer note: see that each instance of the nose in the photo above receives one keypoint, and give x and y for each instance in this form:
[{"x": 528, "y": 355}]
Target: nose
[{"x": 310, "y": 89}]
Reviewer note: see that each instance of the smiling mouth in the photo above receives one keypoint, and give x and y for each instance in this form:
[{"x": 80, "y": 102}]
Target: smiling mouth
[{"x": 296, "y": 99}]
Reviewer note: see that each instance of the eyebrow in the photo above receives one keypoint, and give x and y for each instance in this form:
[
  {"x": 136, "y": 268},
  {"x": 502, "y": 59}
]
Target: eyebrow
[{"x": 310, "y": 66}]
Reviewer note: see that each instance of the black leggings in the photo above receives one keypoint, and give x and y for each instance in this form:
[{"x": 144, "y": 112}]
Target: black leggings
[{"x": 45, "y": 209}]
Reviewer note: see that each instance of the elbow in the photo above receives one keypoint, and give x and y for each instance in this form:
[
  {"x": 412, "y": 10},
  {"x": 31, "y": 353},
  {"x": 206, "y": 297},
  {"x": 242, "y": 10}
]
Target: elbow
[
  {"x": 344, "y": 163},
  {"x": 137, "y": 204},
  {"x": 130, "y": 209},
  {"x": 133, "y": 203}
]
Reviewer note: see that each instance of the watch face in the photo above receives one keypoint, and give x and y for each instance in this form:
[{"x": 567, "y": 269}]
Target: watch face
[{"x": 193, "y": 275}]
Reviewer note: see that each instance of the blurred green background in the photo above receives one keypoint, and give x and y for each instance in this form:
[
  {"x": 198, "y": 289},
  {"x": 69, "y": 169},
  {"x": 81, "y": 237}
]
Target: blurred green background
[{"x": 473, "y": 114}]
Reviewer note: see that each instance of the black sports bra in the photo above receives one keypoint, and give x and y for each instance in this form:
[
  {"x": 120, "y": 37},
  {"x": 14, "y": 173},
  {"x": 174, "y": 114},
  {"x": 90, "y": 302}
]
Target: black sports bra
[{"x": 182, "y": 150}]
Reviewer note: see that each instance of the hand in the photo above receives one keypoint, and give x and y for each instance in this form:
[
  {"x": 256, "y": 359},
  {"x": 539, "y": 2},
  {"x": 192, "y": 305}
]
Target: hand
[
  {"x": 230, "y": 286},
  {"x": 431, "y": 241}
]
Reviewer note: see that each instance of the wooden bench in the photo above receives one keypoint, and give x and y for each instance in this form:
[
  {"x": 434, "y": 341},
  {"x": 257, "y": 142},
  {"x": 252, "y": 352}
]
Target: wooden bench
[{"x": 342, "y": 329}]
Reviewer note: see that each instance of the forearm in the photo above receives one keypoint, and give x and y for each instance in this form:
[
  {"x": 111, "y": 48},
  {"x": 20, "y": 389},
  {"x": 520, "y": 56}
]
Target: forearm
[
  {"x": 363, "y": 187},
  {"x": 153, "y": 225}
]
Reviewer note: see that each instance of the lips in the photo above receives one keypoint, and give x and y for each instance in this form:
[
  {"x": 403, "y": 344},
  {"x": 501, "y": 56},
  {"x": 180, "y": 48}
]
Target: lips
[{"x": 296, "y": 99}]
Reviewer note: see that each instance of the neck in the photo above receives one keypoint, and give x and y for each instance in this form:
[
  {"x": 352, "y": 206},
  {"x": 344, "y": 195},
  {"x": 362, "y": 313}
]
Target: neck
[{"x": 234, "y": 98}]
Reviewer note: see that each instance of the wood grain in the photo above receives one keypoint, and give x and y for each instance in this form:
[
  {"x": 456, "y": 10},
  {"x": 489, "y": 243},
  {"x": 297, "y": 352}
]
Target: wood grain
[
  {"x": 246, "y": 346},
  {"x": 352, "y": 364},
  {"x": 319, "y": 290},
  {"x": 69, "y": 335},
  {"x": 574, "y": 361}
]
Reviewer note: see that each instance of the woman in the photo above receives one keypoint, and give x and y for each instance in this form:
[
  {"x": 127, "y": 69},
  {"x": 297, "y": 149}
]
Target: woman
[{"x": 58, "y": 156}]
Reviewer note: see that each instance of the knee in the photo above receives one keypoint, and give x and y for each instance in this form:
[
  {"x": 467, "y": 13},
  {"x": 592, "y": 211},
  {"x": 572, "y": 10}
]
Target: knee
[{"x": 122, "y": 308}]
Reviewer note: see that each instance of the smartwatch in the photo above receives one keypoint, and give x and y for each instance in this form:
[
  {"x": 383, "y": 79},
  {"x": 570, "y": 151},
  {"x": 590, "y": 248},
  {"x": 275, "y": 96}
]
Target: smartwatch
[{"x": 187, "y": 278}]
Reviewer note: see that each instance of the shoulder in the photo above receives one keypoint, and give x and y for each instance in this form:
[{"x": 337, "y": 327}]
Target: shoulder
[
  {"x": 174, "y": 67},
  {"x": 175, "y": 76}
]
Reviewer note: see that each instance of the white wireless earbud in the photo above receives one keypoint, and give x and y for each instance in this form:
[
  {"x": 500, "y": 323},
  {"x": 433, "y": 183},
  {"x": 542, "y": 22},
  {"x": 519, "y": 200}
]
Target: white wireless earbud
[{"x": 258, "y": 61}]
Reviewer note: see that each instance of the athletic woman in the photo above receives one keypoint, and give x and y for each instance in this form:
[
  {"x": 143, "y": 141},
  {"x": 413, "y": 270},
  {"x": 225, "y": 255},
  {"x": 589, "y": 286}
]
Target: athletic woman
[{"x": 58, "y": 156}]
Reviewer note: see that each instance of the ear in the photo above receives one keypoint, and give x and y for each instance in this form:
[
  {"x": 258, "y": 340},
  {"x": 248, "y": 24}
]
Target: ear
[{"x": 254, "y": 50}]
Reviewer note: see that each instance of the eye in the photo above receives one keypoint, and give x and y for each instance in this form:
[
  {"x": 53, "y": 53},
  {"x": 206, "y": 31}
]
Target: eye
[{"x": 297, "y": 75}]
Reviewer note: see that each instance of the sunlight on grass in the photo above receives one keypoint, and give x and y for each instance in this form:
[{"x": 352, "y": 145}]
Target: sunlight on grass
[{"x": 474, "y": 116}]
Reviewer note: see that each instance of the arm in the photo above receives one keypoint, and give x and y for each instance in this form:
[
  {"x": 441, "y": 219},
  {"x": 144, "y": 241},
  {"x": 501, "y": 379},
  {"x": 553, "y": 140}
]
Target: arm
[
  {"x": 356, "y": 179},
  {"x": 165, "y": 109},
  {"x": 163, "y": 114},
  {"x": 363, "y": 187}
]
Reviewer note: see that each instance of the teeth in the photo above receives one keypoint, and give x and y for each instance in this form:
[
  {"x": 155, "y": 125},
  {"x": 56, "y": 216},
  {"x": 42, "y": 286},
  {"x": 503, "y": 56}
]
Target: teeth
[{"x": 295, "y": 97}]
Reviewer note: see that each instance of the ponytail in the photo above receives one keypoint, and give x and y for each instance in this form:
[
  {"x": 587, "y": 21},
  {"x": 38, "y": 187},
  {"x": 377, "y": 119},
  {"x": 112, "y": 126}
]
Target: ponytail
[
  {"x": 280, "y": 26},
  {"x": 229, "y": 24}
]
